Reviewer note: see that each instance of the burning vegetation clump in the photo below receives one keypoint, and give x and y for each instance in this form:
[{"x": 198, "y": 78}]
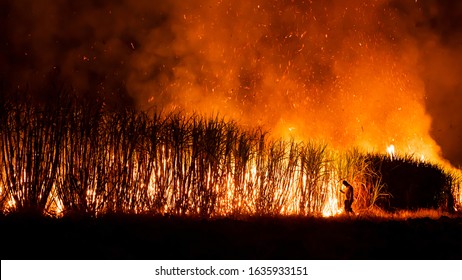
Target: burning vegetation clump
[{"x": 72, "y": 157}]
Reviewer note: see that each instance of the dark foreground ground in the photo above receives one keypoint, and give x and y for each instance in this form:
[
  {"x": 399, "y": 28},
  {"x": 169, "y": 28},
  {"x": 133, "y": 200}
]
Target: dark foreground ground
[{"x": 141, "y": 237}]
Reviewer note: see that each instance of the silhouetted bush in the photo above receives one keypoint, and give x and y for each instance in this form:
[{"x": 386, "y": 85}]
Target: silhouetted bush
[{"x": 412, "y": 184}]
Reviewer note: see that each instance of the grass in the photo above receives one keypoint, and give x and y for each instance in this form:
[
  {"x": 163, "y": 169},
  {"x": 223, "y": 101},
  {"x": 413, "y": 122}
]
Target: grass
[{"x": 73, "y": 157}]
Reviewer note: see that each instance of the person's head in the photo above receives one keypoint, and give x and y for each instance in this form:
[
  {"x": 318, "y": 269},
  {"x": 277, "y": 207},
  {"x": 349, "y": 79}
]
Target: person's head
[{"x": 346, "y": 183}]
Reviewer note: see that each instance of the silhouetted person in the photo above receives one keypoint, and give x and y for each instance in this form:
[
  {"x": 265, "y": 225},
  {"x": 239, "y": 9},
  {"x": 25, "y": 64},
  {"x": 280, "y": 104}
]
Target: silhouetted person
[{"x": 348, "y": 197}]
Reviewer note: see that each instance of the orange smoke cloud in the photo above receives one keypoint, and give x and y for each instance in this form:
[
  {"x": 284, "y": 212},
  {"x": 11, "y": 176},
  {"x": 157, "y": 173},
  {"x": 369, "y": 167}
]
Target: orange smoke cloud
[{"x": 340, "y": 72}]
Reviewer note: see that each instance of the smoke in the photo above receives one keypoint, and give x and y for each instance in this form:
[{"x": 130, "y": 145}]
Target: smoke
[
  {"x": 351, "y": 73},
  {"x": 88, "y": 45},
  {"x": 441, "y": 69}
]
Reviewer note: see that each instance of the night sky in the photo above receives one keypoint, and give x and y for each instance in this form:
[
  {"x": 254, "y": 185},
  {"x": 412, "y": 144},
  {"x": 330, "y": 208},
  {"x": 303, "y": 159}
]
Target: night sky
[{"x": 361, "y": 73}]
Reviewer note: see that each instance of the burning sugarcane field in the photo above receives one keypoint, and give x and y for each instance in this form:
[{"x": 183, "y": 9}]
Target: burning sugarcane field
[{"x": 278, "y": 129}]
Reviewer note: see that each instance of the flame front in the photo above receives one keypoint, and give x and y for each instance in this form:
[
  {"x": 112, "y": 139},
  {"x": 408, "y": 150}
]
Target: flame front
[{"x": 192, "y": 167}]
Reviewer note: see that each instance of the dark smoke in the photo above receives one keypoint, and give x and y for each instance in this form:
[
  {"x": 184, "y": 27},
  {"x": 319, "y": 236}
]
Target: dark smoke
[
  {"x": 84, "y": 44},
  {"x": 442, "y": 72},
  {"x": 350, "y": 72}
]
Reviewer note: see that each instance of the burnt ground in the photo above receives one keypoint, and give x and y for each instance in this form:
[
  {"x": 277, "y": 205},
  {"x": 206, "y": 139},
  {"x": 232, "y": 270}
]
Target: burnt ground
[{"x": 143, "y": 237}]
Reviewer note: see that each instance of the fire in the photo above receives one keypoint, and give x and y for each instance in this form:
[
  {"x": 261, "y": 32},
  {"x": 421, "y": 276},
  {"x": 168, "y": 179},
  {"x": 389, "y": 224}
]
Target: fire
[
  {"x": 342, "y": 72},
  {"x": 391, "y": 151},
  {"x": 260, "y": 65},
  {"x": 331, "y": 208}
]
